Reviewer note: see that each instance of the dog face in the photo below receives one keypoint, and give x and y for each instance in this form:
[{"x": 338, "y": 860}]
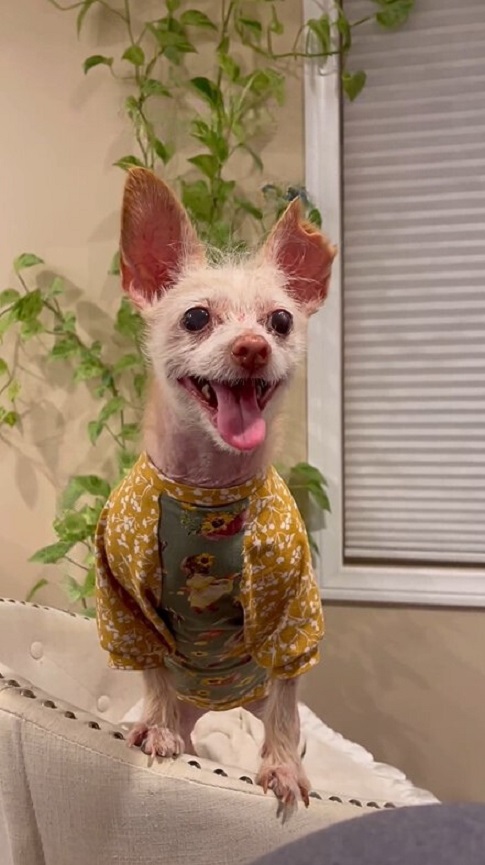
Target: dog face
[{"x": 224, "y": 339}]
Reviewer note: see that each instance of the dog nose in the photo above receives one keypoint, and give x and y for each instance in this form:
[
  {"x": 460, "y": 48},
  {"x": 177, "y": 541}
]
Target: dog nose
[{"x": 251, "y": 352}]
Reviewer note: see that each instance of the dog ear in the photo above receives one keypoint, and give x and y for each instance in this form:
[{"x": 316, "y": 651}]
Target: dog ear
[
  {"x": 304, "y": 255},
  {"x": 157, "y": 238}
]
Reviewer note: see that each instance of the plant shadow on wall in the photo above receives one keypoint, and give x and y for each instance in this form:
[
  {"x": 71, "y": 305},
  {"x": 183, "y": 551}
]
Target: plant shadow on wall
[{"x": 223, "y": 117}]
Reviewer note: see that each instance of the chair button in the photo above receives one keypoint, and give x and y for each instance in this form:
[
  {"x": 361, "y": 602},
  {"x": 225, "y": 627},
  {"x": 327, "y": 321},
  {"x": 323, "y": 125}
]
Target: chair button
[
  {"x": 103, "y": 703},
  {"x": 37, "y": 650}
]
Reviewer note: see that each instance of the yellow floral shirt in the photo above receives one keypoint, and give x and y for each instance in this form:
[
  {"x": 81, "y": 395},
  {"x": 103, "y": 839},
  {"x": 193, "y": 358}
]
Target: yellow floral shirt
[{"x": 269, "y": 605}]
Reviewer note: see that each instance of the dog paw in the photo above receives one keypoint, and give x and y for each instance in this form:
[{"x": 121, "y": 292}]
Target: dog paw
[
  {"x": 287, "y": 781},
  {"x": 156, "y": 740}
]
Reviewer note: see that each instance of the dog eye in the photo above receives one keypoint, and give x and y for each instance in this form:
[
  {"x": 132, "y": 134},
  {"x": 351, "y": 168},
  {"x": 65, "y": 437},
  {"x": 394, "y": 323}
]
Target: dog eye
[
  {"x": 281, "y": 322},
  {"x": 196, "y": 318}
]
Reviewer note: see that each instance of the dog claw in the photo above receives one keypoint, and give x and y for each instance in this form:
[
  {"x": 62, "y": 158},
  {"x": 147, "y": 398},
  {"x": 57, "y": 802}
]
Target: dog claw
[
  {"x": 156, "y": 740},
  {"x": 288, "y": 782}
]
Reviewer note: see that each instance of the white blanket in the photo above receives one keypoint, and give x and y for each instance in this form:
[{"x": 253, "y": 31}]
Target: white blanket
[{"x": 335, "y": 766}]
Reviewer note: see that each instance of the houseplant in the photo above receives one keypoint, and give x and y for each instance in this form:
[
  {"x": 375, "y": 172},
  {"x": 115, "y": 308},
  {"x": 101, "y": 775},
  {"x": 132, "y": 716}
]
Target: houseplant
[{"x": 226, "y": 112}]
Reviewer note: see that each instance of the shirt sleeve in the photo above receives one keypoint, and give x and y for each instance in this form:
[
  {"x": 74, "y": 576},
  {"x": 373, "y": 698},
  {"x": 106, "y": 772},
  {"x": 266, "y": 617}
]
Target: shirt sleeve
[
  {"x": 288, "y": 613},
  {"x": 123, "y": 609}
]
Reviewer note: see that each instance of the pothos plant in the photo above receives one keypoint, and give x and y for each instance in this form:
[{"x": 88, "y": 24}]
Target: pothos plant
[{"x": 223, "y": 116}]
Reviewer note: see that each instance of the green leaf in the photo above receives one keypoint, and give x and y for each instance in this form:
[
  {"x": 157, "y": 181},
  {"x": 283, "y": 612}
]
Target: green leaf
[
  {"x": 214, "y": 141},
  {"x": 130, "y": 431},
  {"x": 309, "y": 472},
  {"x": 127, "y": 162},
  {"x": 206, "y": 163},
  {"x": 394, "y": 12},
  {"x": 13, "y": 390},
  {"x": 89, "y": 584},
  {"x": 208, "y": 90},
  {"x": 73, "y": 589},
  {"x": 84, "y": 484},
  {"x": 163, "y": 152},
  {"x": 250, "y": 27},
  {"x": 134, "y": 54},
  {"x": 353, "y": 83},
  {"x": 29, "y": 306},
  {"x": 51, "y": 554},
  {"x": 3, "y": 367},
  {"x": 7, "y": 320},
  {"x": 229, "y": 67},
  {"x": 197, "y": 199},
  {"x": 90, "y": 367},
  {"x": 96, "y": 60},
  {"x": 27, "y": 259},
  {"x": 36, "y": 588},
  {"x": 171, "y": 41},
  {"x": 265, "y": 83},
  {"x": 344, "y": 30},
  {"x": 89, "y": 612},
  {"x": 195, "y": 18},
  {"x": 73, "y": 527},
  {"x": 152, "y": 87},
  {"x": 321, "y": 30},
  {"x": 172, "y": 5},
  {"x": 113, "y": 406},
  {"x": 94, "y": 431},
  {"x": 128, "y": 361},
  {"x": 139, "y": 383},
  {"x": 128, "y": 322},
  {"x": 56, "y": 287},
  {"x": 8, "y": 296},
  {"x": 9, "y": 418},
  {"x": 82, "y": 14},
  {"x": 126, "y": 461},
  {"x": 65, "y": 347},
  {"x": 114, "y": 268},
  {"x": 315, "y": 216},
  {"x": 276, "y": 25}
]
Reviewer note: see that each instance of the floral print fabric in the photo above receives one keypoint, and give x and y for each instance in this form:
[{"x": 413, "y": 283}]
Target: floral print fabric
[{"x": 216, "y": 584}]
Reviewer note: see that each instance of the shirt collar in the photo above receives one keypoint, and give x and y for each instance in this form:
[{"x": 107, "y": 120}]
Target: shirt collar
[{"x": 197, "y": 495}]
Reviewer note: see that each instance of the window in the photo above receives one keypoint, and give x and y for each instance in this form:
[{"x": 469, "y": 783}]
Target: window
[{"x": 397, "y": 356}]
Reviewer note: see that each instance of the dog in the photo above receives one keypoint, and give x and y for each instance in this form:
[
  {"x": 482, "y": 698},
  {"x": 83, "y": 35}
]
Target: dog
[{"x": 204, "y": 573}]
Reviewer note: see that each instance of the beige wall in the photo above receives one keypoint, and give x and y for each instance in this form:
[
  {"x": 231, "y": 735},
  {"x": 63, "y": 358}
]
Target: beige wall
[
  {"x": 406, "y": 683},
  {"x": 409, "y": 685}
]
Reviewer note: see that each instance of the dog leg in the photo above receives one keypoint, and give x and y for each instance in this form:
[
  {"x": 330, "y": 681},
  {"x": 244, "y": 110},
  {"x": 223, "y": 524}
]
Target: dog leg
[
  {"x": 281, "y": 768},
  {"x": 158, "y": 734}
]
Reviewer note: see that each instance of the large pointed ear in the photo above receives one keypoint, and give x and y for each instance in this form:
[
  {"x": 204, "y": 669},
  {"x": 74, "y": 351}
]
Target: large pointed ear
[
  {"x": 157, "y": 238},
  {"x": 304, "y": 255}
]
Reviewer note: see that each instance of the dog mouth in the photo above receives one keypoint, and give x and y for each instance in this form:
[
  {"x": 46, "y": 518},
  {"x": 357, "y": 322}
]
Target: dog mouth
[{"x": 235, "y": 408}]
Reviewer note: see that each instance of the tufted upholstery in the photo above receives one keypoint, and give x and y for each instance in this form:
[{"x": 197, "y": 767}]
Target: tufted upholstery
[{"x": 70, "y": 790}]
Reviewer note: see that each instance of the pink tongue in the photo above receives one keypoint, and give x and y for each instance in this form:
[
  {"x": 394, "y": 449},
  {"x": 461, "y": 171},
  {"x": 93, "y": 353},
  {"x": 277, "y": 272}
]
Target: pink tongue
[{"x": 239, "y": 419}]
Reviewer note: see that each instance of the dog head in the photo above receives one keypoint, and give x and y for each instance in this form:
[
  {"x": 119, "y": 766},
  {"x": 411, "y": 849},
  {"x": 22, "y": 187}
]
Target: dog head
[{"x": 224, "y": 338}]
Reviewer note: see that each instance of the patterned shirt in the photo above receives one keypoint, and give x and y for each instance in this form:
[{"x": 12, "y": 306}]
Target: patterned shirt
[{"x": 217, "y": 584}]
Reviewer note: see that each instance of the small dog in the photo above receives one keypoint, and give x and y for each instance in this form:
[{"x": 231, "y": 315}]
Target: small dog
[{"x": 204, "y": 576}]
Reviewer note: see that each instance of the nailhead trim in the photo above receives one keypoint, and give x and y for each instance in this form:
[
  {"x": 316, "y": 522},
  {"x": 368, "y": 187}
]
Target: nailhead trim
[{"x": 49, "y": 704}]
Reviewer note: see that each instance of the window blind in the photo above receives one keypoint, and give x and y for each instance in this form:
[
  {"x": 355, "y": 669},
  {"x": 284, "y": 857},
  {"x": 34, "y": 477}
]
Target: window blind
[{"x": 413, "y": 156}]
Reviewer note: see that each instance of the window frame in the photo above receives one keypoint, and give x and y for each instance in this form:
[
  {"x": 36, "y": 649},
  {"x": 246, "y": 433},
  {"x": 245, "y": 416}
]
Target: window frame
[{"x": 405, "y": 584}]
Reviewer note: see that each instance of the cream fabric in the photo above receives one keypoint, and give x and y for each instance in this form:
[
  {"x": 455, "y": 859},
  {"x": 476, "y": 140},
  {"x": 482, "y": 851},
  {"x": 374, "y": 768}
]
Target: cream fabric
[{"x": 71, "y": 794}]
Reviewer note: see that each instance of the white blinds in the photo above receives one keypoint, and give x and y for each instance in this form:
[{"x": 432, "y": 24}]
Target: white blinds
[{"x": 414, "y": 289}]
